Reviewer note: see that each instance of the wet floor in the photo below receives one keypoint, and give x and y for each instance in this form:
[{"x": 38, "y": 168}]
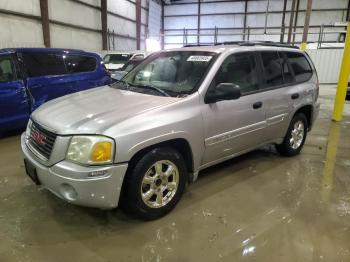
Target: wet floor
[{"x": 258, "y": 207}]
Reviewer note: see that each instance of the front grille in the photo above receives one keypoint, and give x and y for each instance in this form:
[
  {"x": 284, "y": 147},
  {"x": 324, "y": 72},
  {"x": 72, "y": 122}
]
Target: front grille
[{"x": 41, "y": 140}]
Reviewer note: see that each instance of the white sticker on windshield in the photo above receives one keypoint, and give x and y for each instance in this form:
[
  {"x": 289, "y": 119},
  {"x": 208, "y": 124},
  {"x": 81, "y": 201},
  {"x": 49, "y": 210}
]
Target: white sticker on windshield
[{"x": 199, "y": 58}]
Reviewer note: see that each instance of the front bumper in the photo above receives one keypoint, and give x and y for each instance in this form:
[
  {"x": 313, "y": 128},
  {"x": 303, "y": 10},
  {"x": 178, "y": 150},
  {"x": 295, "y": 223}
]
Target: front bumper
[{"x": 72, "y": 183}]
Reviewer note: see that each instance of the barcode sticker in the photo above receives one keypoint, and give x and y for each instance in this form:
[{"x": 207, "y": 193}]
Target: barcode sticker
[{"x": 199, "y": 58}]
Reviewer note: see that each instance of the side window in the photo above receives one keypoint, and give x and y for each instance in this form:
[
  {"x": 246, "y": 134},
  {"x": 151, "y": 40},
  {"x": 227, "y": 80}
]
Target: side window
[
  {"x": 79, "y": 64},
  {"x": 287, "y": 72},
  {"x": 43, "y": 64},
  {"x": 300, "y": 65},
  {"x": 239, "y": 69},
  {"x": 272, "y": 69},
  {"x": 7, "y": 70}
]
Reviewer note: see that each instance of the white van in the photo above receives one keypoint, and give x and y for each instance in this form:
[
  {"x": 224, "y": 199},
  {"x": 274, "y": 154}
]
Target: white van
[{"x": 117, "y": 59}]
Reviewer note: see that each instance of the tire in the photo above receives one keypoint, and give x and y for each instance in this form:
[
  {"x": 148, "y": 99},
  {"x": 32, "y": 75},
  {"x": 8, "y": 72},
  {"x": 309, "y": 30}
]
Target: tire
[
  {"x": 147, "y": 180},
  {"x": 292, "y": 146}
]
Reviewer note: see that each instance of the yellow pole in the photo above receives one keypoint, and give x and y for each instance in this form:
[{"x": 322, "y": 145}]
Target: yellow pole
[
  {"x": 343, "y": 79},
  {"x": 303, "y": 46},
  {"x": 331, "y": 157}
]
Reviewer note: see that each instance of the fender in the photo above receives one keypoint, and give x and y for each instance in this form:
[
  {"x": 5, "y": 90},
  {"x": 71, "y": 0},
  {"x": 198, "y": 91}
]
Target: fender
[{"x": 194, "y": 144}]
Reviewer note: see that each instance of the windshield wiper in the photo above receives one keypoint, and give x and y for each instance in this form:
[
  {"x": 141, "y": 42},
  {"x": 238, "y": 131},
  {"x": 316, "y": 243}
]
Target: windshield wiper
[{"x": 153, "y": 88}]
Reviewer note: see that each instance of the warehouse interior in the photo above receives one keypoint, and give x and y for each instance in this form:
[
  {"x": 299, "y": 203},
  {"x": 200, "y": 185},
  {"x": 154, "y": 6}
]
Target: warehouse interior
[{"x": 257, "y": 206}]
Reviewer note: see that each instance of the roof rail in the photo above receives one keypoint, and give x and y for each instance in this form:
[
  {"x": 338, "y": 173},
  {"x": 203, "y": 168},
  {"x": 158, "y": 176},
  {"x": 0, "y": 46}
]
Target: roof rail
[
  {"x": 194, "y": 45},
  {"x": 253, "y": 43}
]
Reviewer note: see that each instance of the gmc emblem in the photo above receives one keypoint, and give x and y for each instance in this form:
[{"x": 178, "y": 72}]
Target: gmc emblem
[{"x": 39, "y": 138}]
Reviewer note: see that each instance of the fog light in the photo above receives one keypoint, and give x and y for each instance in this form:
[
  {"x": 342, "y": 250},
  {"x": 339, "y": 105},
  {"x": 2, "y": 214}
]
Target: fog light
[
  {"x": 98, "y": 173},
  {"x": 68, "y": 192}
]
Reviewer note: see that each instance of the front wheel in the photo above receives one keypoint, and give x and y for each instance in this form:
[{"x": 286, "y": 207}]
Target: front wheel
[
  {"x": 295, "y": 137},
  {"x": 155, "y": 184}
]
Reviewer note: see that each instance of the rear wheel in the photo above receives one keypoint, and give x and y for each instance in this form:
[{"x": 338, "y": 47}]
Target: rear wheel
[
  {"x": 155, "y": 184},
  {"x": 295, "y": 137}
]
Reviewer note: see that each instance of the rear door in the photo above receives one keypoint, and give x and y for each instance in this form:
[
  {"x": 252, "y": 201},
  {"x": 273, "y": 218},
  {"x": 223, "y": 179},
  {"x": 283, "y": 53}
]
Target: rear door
[
  {"x": 85, "y": 72},
  {"x": 233, "y": 126},
  {"x": 278, "y": 85},
  {"x": 14, "y": 104},
  {"x": 46, "y": 76}
]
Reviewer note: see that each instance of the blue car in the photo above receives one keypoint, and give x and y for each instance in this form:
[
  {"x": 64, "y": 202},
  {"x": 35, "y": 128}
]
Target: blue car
[{"x": 31, "y": 76}]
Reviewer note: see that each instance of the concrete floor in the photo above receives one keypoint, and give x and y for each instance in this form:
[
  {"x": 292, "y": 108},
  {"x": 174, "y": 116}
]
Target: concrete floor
[{"x": 258, "y": 207}]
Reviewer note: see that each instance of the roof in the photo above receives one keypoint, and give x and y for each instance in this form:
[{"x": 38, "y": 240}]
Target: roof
[
  {"x": 222, "y": 47},
  {"x": 125, "y": 52}
]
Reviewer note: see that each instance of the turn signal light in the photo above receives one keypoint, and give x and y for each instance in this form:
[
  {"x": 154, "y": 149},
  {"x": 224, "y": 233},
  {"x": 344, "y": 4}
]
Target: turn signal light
[{"x": 101, "y": 152}]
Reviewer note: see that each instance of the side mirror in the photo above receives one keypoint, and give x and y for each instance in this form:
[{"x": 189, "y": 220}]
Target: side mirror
[{"x": 223, "y": 91}]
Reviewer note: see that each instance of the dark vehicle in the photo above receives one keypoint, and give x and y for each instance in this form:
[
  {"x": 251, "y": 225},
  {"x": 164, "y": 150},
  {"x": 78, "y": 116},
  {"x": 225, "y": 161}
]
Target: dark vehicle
[
  {"x": 31, "y": 76},
  {"x": 119, "y": 74}
]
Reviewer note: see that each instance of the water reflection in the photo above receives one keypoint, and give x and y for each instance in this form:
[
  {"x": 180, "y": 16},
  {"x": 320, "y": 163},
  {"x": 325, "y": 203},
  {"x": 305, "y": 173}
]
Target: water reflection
[{"x": 162, "y": 246}]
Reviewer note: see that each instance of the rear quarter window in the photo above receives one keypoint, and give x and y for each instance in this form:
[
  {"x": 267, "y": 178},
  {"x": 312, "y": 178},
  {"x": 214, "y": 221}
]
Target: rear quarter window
[
  {"x": 272, "y": 69},
  {"x": 43, "y": 64},
  {"x": 79, "y": 64},
  {"x": 300, "y": 66}
]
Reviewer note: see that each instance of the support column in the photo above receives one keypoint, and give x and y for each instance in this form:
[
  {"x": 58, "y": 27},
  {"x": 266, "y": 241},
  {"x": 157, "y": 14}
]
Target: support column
[
  {"x": 44, "y": 9},
  {"x": 162, "y": 26},
  {"x": 283, "y": 25},
  {"x": 306, "y": 25},
  {"x": 198, "y": 21},
  {"x": 343, "y": 79},
  {"x": 138, "y": 24},
  {"x": 291, "y": 18},
  {"x": 245, "y": 19},
  {"x": 104, "y": 24},
  {"x": 296, "y": 20},
  {"x": 266, "y": 15}
]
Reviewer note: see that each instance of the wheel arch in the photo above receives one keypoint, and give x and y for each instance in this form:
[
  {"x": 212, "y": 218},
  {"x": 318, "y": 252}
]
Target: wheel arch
[
  {"x": 307, "y": 110},
  {"x": 180, "y": 144}
]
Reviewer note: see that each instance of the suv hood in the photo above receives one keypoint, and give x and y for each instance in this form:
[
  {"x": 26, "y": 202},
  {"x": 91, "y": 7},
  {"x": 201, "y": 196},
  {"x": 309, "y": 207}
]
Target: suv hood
[{"x": 95, "y": 110}]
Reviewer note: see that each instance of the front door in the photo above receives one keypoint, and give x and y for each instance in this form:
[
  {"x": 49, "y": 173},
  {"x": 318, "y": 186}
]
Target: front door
[
  {"x": 14, "y": 104},
  {"x": 234, "y": 126}
]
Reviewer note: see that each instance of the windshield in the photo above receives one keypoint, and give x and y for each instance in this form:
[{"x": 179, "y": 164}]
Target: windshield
[
  {"x": 175, "y": 72},
  {"x": 130, "y": 65},
  {"x": 116, "y": 58}
]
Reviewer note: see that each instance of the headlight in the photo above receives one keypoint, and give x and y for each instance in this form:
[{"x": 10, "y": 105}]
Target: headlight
[{"x": 91, "y": 150}]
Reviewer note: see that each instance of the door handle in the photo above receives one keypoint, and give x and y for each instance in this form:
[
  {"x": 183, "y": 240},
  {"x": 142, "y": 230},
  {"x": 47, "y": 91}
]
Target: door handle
[
  {"x": 257, "y": 105},
  {"x": 295, "y": 96}
]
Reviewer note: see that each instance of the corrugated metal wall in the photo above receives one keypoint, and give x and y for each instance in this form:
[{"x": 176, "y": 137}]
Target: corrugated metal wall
[
  {"x": 16, "y": 31},
  {"x": 67, "y": 37},
  {"x": 327, "y": 63},
  {"x": 225, "y": 15},
  {"x": 154, "y": 20}
]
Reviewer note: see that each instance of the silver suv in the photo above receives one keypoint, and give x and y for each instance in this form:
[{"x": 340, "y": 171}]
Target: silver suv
[{"x": 137, "y": 142}]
